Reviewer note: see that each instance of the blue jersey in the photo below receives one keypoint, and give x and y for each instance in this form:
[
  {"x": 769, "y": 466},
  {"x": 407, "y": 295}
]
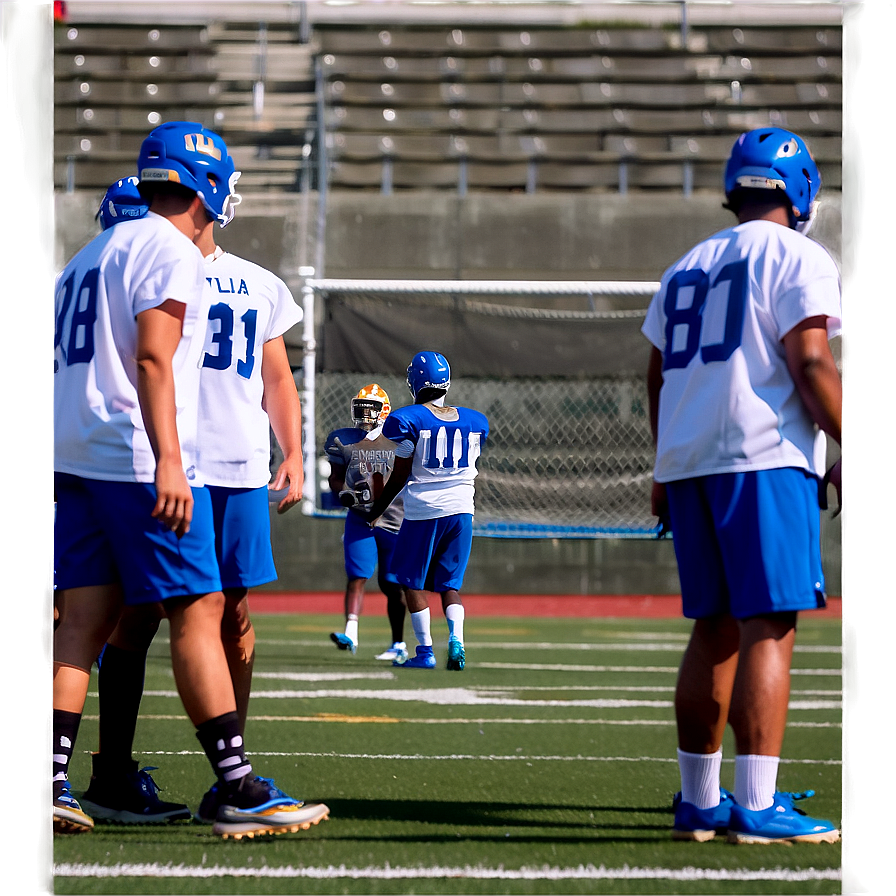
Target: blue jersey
[{"x": 445, "y": 443}]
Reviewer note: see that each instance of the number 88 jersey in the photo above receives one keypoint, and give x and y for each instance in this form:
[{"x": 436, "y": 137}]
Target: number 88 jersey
[{"x": 728, "y": 402}]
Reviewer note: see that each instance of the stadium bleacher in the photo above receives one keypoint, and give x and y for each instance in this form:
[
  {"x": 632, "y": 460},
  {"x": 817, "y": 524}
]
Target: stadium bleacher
[{"x": 450, "y": 107}]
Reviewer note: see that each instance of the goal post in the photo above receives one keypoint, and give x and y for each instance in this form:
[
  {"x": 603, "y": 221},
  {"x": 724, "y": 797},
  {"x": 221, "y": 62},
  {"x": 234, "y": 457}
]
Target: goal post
[{"x": 556, "y": 366}]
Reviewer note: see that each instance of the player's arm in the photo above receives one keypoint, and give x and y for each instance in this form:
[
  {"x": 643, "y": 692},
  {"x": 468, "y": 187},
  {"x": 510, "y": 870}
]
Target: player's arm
[
  {"x": 814, "y": 370},
  {"x": 659, "y": 506},
  {"x": 284, "y": 410},
  {"x": 158, "y": 336},
  {"x": 398, "y": 478}
]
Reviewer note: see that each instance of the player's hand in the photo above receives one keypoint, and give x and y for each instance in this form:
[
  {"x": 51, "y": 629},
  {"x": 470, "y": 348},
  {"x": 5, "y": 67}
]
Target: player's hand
[
  {"x": 290, "y": 476},
  {"x": 174, "y": 497}
]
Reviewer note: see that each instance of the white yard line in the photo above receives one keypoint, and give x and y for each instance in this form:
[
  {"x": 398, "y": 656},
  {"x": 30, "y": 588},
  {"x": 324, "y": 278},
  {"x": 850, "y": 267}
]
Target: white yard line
[{"x": 462, "y": 872}]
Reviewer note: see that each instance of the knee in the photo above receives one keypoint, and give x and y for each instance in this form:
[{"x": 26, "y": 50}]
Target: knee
[{"x": 236, "y": 622}]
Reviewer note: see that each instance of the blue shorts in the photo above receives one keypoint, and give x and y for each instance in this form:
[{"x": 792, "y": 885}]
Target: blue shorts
[
  {"x": 432, "y": 555},
  {"x": 243, "y": 536},
  {"x": 747, "y": 543},
  {"x": 364, "y": 548},
  {"x": 105, "y": 533}
]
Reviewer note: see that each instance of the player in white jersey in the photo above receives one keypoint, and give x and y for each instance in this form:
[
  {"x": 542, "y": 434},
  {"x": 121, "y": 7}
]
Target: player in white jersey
[
  {"x": 743, "y": 386},
  {"x": 131, "y": 311},
  {"x": 438, "y": 447},
  {"x": 361, "y": 461}
]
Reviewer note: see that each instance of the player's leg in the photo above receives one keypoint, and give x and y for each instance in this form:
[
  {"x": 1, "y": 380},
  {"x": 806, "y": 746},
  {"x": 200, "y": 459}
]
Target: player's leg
[
  {"x": 768, "y": 530},
  {"x": 360, "y": 556},
  {"x": 448, "y": 569},
  {"x": 396, "y": 606},
  {"x": 238, "y": 637},
  {"x": 411, "y": 560},
  {"x": 708, "y": 666}
]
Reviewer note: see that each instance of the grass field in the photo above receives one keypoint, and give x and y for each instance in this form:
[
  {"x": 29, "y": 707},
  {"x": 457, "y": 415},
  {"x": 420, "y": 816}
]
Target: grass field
[{"x": 547, "y": 766}]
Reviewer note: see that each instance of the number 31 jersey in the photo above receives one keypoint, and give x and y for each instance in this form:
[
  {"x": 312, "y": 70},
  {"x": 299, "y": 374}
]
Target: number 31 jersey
[
  {"x": 248, "y": 306},
  {"x": 728, "y": 402},
  {"x": 446, "y": 443}
]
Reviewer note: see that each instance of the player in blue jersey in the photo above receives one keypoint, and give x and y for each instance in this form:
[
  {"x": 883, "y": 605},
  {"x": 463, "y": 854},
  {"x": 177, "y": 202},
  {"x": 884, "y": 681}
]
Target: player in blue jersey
[
  {"x": 742, "y": 387},
  {"x": 133, "y": 524},
  {"x": 438, "y": 447},
  {"x": 361, "y": 461}
]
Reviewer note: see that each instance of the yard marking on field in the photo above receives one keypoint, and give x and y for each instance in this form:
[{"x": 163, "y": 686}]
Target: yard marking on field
[
  {"x": 469, "y": 872},
  {"x": 666, "y": 670},
  {"x": 468, "y": 757}
]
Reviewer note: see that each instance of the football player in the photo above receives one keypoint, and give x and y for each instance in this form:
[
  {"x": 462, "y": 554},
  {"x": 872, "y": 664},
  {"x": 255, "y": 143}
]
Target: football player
[
  {"x": 132, "y": 308},
  {"x": 361, "y": 461},
  {"x": 438, "y": 447},
  {"x": 742, "y": 386},
  {"x": 121, "y": 202}
]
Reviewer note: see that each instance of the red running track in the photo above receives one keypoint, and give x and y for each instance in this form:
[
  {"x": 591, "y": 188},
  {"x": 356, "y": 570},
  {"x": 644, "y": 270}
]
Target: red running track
[{"x": 657, "y": 606}]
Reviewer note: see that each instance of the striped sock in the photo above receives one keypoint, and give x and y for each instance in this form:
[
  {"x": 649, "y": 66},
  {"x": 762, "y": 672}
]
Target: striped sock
[{"x": 223, "y": 744}]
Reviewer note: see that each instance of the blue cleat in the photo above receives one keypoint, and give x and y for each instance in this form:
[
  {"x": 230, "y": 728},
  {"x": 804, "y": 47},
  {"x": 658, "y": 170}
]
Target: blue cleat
[
  {"x": 701, "y": 825},
  {"x": 398, "y": 651},
  {"x": 343, "y": 642},
  {"x": 424, "y": 659},
  {"x": 456, "y": 658},
  {"x": 782, "y": 822},
  {"x": 68, "y": 816}
]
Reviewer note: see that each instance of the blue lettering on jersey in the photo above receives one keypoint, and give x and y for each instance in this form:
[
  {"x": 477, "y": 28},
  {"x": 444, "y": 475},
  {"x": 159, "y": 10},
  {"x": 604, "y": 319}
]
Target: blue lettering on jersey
[
  {"x": 222, "y": 340},
  {"x": 79, "y": 348},
  {"x": 690, "y": 317},
  {"x": 449, "y": 448},
  {"x": 229, "y": 286}
]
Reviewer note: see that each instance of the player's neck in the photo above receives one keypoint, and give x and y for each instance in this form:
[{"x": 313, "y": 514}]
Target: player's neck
[
  {"x": 205, "y": 242},
  {"x": 777, "y": 214}
]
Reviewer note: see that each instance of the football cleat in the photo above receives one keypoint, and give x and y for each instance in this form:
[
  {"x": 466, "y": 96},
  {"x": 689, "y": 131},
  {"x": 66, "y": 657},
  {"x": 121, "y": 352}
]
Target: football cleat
[
  {"x": 189, "y": 154},
  {"x": 428, "y": 370},
  {"x": 257, "y": 807},
  {"x": 208, "y": 807},
  {"x": 701, "y": 825},
  {"x": 398, "y": 651},
  {"x": 456, "y": 658},
  {"x": 423, "y": 659},
  {"x": 68, "y": 816},
  {"x": 129, "y": 797},
  {"x": 370, "y": 407},
  {"x": 343, "y": 642},
  {"x": 781, "y": 822}
]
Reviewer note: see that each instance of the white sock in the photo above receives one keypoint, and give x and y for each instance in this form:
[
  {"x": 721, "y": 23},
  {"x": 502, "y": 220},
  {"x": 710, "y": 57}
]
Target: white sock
[
  {"x": 351, "y": 628},
  {"x": 755, "y": 779},
  {"x": 454, "y": 613},
  {"x": 700, "y": 774},
  {"x": 420, "y": 622}
]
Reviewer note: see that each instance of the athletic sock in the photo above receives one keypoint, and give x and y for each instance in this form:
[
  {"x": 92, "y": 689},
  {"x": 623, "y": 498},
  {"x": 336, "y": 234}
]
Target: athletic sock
[
  {"x": 65, "y": 733},
  {"x": 421, "y": 624},
  {"x": 120, "y": 683},
  {"x": 454, "y": 613},
  {"x": 700, "y": 774},
  {"x": 755, "y": 779},
  {"x": 351, "y": 628},
  {"x": 223, "y": 744}
]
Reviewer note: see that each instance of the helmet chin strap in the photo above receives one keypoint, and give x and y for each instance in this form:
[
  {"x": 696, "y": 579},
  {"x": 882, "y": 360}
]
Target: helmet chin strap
[{"x": 804, "y": 227}]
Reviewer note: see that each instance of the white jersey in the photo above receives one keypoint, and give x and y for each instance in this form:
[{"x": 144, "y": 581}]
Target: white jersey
[
  {"x": 248, "y": 306},
  {"x": 130, "y": 268},
  {"x": 728, "y": 402},
  {"x": 445, "y": 443}
]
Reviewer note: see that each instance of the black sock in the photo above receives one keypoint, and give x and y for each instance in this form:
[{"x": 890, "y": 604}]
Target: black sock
[
  {"x": 121, "y": 678},
  {"x": 65, "y": 733},
  {"x": 223, "y": 744}
]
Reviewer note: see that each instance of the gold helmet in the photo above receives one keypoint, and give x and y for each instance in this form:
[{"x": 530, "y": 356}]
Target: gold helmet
[{"x": 370, "y": 407}]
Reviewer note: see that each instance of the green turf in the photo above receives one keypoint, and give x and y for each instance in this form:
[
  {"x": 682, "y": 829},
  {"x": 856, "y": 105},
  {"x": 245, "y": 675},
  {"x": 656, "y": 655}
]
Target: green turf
[{"x": 550, "y": 756}]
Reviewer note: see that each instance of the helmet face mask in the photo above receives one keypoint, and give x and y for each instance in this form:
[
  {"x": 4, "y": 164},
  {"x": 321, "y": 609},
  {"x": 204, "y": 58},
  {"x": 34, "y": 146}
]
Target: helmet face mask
[
  {"x": 186, "y": 153},
  {"x": 121, "y": 202},
  {"x": 428, "y": 370},
  {"x": 370, "y": 407},
  {"x": 775, "y": 159}
]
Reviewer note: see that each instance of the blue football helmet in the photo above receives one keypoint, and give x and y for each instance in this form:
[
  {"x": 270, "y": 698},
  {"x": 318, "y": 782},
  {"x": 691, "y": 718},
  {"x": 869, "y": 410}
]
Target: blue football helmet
[
  {"x": 122, "y": 202},
  {"x": 775, "y": 159},
  {"x": 186, "y": 153},
  {"x": 428, "y": 370}
]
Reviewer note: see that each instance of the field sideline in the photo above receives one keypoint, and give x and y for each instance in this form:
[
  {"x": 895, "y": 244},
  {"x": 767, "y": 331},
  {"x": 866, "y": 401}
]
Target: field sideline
[{"x": 547, "y": 766}]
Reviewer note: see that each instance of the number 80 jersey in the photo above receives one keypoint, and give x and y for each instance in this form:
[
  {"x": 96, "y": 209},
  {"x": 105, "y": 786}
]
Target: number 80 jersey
[{"x": 728, "y": 402}]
